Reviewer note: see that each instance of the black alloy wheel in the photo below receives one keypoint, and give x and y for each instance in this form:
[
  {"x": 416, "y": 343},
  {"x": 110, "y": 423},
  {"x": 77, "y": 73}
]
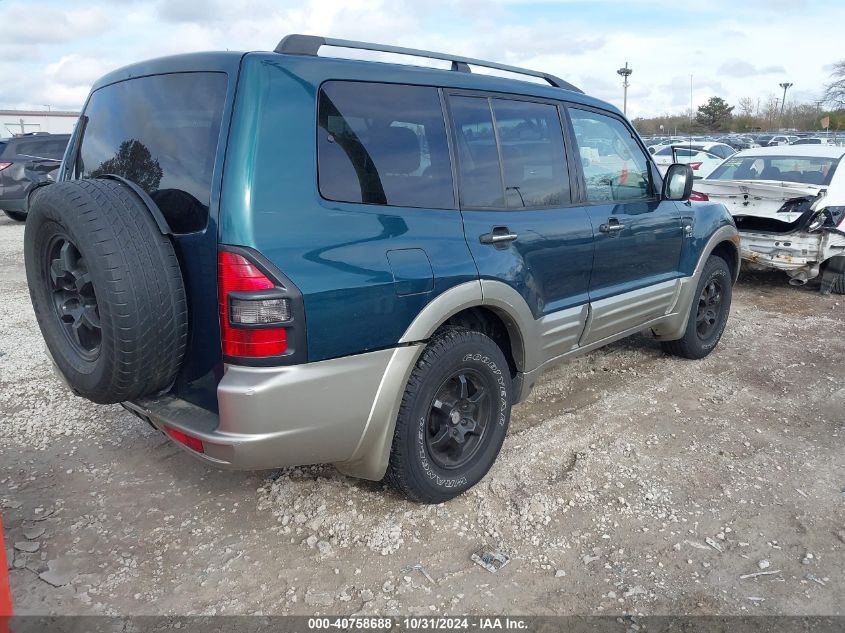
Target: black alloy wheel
[
  {"x": 708, "y": 312},
  {"x": 74, "y": 301},
  {"x": 453, "y": 417},
  {"x": 460, "y": 414},
  {"x": 708, "y": 316}
]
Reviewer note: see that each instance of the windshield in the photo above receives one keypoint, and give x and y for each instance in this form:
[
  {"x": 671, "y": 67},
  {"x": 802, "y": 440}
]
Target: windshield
[{"x": 799, "y": 169}]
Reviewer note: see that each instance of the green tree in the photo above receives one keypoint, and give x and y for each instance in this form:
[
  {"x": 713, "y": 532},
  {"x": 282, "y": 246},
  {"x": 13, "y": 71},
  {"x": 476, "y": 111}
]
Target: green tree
[
  {"x": 716, "y": 114},
  {"x": 834, "y": 92},
  {"x": 134, "y": 162}
]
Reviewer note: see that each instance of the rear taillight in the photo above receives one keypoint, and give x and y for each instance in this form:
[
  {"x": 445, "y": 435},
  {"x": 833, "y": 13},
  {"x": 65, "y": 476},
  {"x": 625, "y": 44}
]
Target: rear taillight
[
  {"x": 253, "y": 311},
  {"x": 695, "y": 166},
  {"x": 4, "y": 165},
  {"x": 261, "y": 311},
  {"x": 697, "y": 196}
]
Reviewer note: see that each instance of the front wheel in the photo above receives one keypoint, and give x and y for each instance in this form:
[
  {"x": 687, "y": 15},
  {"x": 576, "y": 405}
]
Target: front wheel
[
  {"x": 709, "y": 312},
  {"x": 453, "y": 418}
]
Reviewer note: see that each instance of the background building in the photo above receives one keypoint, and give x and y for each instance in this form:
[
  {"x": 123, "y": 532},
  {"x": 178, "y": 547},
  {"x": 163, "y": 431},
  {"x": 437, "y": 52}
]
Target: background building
[{"x": 13, "y": 122}]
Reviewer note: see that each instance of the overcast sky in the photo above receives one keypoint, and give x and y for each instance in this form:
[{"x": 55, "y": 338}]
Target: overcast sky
[{"x": 52, "y": 50}]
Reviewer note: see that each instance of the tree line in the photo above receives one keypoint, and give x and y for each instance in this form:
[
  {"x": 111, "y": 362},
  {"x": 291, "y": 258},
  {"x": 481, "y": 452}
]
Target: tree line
[{"x": 755, "y": 114}]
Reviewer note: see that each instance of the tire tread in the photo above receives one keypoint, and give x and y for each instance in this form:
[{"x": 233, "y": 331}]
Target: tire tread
[
  {"x": 399, "y": 475},
  {"x": 142, "y": 301}
]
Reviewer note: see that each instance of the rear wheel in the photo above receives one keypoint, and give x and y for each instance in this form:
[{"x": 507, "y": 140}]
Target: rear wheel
[
  {"x": 17, "y": 216},
  {"x": 708, "y": 313},
  {"x": 453, "y": 418},
  {"x": 833, "y": 276},
  {"x": 106, "y": 288}
]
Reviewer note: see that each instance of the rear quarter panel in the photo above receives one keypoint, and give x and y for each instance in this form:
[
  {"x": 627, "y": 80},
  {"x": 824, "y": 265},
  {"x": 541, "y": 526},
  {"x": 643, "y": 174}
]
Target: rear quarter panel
[{"x": 335, "y": 252}]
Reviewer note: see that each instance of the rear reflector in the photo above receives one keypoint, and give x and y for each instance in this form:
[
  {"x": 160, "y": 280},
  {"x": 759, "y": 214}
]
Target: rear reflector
[
  {"x": 697, "y": 196},
  {"x": 4, "y": 165},
  {"x": 695, "y": 166},
  {"x": 193, "y": 443},
  {"x": 240, "y": 314}
]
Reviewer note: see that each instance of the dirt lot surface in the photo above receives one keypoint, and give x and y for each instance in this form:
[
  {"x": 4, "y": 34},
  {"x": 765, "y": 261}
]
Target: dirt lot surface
[{"x": 630, "y": 482}]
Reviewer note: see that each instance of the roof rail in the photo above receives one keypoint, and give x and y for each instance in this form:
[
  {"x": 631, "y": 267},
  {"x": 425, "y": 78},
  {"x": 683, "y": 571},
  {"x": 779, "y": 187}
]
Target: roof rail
[{"x": 296, "y": 44}]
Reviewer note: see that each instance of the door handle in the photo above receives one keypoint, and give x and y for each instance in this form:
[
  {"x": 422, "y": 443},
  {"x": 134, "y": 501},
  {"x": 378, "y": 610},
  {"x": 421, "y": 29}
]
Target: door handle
[
  {"x": 499, "y": 236},
  {"x": 611, "y": 227}
]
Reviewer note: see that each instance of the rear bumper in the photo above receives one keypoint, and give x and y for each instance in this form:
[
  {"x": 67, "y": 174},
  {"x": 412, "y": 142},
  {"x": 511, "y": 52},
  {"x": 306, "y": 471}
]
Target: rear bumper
[
  {"x": 799, "y": 253},
  {"x": 13, "y": 204},
  {"x": 323, "y": 412}
]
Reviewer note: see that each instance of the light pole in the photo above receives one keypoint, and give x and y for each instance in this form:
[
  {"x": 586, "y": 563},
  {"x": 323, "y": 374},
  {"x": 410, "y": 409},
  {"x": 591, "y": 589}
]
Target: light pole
[
  {"x": 625, "y": 73},
  {"x": 785, "y": 86}
]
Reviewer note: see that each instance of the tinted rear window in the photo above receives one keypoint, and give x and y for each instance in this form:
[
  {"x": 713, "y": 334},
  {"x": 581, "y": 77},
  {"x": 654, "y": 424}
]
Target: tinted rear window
[
  {"x": 53, "y": 148},
  {"x": 160, "y": 132},
  {"x": 800, "y": 169},
  {"x": 383, "y": 144},
  {"x": 533, "y": 160},
  {"x": 478, "y": 155}
]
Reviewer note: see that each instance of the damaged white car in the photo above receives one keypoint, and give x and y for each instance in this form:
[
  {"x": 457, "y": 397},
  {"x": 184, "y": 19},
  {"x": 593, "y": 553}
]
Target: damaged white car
[{"x": 789, "y": 206}]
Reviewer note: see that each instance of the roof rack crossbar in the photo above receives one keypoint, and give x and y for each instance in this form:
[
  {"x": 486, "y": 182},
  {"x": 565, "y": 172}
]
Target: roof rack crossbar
[{"x": 296, "y": 44}]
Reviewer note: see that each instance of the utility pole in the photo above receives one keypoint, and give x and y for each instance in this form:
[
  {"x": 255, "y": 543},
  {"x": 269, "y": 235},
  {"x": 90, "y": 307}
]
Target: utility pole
[
  {"x": 691, "y": 111},
  {"x": 785, "y": 86},
  {"x": 625, "y": 73}
]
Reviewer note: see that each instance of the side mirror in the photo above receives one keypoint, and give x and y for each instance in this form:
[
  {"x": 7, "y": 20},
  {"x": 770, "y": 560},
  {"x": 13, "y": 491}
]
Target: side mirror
[{"x": 677, "y": 184}]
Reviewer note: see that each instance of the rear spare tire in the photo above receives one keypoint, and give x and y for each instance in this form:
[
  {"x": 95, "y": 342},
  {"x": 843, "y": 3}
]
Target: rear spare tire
[{"x": 106, "y": 288}]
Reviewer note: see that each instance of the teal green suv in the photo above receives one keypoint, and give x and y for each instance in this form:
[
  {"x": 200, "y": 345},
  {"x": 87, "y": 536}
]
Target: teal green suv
[{"x": 284, "y": 258}]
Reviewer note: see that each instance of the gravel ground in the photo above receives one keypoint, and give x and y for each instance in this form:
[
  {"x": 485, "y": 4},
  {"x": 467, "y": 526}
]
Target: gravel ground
[{"x": 630, "y": 482}]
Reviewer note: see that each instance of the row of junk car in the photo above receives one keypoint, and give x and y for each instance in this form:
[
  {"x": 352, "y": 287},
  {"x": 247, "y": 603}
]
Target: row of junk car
[
  {"x": 784, "y": 191},
  {"x": 785, "y": 194}
]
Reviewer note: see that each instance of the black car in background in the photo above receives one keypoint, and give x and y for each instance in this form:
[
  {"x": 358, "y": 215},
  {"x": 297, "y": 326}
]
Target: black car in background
[
  {"x": 738, "y": 142},
  {"x": 26, "y": 161}
]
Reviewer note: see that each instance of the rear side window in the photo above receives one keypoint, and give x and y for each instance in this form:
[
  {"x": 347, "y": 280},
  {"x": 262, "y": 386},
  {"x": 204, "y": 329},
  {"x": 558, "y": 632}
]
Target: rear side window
[
  {"x": 160, "y": 132},
  {"x": 510, "y": 153},
  {"x": 533, "y": 160},
  {"x": 383, "y": 144},
  {"x": 478, "y": 157}
]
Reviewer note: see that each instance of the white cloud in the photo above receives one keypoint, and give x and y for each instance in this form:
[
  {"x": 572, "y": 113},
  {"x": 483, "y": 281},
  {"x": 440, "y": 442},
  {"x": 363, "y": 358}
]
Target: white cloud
[
  {"x": 38, "y": 24},
  {"x": 741, "y": 68},
  {"x": 52, "y": 50}
]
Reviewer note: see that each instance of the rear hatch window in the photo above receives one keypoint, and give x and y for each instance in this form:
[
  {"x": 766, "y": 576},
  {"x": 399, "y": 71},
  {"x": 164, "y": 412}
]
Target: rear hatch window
[
  {"x": 160, "y": 132},
  {"x": 53, "y": 149}
]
